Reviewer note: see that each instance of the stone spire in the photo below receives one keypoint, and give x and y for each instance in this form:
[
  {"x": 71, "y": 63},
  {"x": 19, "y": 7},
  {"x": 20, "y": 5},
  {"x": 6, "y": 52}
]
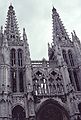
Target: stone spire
[
  {"x": 12, "y": 25},
  {"x": 26, "y": 47},
  {"x": 58, "y": 27}
]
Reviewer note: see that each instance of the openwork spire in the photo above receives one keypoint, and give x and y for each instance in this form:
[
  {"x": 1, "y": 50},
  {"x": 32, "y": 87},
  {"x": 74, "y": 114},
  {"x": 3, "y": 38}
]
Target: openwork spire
[
  {"x": 58, "y": 27},
  {"x": 12, "y": 25}
]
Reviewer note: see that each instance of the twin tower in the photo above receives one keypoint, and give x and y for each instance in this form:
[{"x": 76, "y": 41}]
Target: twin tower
[{"x": 39, "y": 90}]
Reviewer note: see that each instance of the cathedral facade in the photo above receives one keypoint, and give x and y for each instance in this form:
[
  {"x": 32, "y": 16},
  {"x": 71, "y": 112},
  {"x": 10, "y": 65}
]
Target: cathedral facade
[{"x": 39, "y": 90}]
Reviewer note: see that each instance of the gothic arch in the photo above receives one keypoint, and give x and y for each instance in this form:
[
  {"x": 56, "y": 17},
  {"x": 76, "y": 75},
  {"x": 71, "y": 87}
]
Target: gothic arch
[
  {"x": 56, "y": 71},
  {"x": 20, "y": 71},
  {"x": 53, "y": 73},
  {"x": 38, "y": 70},
  {"x": 39, "y": 83},
  {"x": 17, "y": 104},
  {"x": 18, "y": 112},
  {"x": 55, "y": 83},
  {"x": 76, "y": 79},
  {"x": 21, "y": 81},
  {"x": 64, "y": 55},
  {"x": 14, "y": 80},
  {"x": 13, "y": 57},
  {"x": 70, "y": 54},
  {"x": 50, "y": 108},
  {"x": 20, "y": 56},
  {"x": 2, "y": 101}
]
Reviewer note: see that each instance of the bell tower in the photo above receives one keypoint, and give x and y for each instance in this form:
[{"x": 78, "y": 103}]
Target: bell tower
[
  {"x": 16, "y": 79},
  {"x": 16, "y": 51}
]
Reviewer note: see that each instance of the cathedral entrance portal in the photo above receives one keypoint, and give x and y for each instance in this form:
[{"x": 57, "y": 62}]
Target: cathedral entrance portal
[
  {"x": 18, "y": 113},
  {"x": 51, "y": 111}
]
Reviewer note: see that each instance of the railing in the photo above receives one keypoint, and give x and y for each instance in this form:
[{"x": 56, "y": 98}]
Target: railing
[
  {"x": 40, "y": 63},
  {"x": 49, "y": 92}
]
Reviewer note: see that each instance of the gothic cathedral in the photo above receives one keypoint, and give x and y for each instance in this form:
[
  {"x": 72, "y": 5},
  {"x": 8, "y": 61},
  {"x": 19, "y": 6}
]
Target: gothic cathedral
[{"x": 39, "y": 90}]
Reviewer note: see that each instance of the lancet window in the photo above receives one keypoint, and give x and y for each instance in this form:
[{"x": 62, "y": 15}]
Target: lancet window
[
  {"x": 13, "y": 57},
  {"x": 52, "y": 56},
  {"x": 13, "y": 78},
  {"x": 65, "y": 56},
  {"x": 21, "y": 83},
  {"x": 43, "y": 84},
  {"x": 76, "y": 80},
  {"x": 36, "y": 86},
  {"x": 52, "y": 86},
  {"x": 70, "y": 76},
  {"x": 19, "y": 57},
  {"x": 39, "y": 83},
  {"x": 17, "y": 70},
  {"x": 55, "y": 83},
  {"x": 71, "y": 57}
]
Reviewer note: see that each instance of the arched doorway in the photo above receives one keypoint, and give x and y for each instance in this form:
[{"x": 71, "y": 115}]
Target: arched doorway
[
  {"x": 51, "y": 111},
  {"x": 18, "y": 113}
]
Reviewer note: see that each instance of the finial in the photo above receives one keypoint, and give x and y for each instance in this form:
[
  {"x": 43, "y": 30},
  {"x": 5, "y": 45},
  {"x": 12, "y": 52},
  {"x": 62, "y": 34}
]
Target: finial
[
  {"x": 23, "y": 30},
  {"x": 71, "y": 33},
  {"x": 53, "y": 10},
  {"x": 74, "y": 32},
  {"x": 10, "y": 7},
  {"x": 24, "y": 34},
  {"x": 10, "y": 2}
]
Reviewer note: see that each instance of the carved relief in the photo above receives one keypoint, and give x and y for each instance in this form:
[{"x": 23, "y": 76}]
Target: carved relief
[{"x": 18, "y": 100}]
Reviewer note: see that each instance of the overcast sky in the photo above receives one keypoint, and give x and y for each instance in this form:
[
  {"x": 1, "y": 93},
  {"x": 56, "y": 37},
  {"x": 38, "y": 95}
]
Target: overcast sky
[{"x": 35, "y": 16}]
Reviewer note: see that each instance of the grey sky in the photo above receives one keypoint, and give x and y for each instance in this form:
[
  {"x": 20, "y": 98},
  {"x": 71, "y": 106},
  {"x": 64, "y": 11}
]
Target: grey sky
[{"x": 35, "y": 16}]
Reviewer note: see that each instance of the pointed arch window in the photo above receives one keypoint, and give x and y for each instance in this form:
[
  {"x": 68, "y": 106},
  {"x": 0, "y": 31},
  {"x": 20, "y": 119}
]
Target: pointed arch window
[
  {"x": 76, "y": 80},
  {"x": 14, "y": 85},
  {"x": 70, "y": 76},
  {"x": 51, "y": 57},
  {"x": 21, "y": 82},
  {"x": 13, "y": 57},
  {"x": 43, "y": 84},
  {"x": 35, "y": 86},
  {"x": 40, "y": 84},
  {"x": 20, "y": 57},
  {"x": 71, "y": 57},
  {"x": 64, "y": 56},
  {"x": 52, "y": 86}
]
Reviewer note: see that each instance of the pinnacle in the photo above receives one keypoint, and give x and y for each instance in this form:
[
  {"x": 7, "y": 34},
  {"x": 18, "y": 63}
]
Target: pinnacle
[
  {"x": 53, "y": 10},
  {"x": 10, "y": 7}
]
